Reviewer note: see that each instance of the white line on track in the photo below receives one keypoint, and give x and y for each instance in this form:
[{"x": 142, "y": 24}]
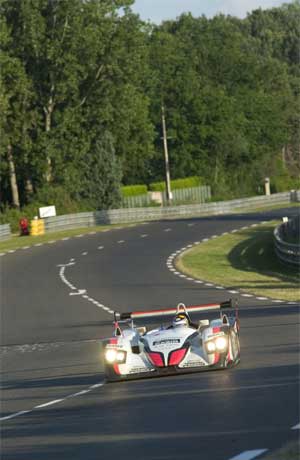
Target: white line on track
[
  {"x": 100, "y": 247},
  {"x": 121, "y": 241},
  {"x": 53, "y": 402},
  {"x": 167, "y": 230},
  {"x": 26, "y": 247},
  {"x": 249, "y": 454},
  {"x": 50, "y": 403},
  {"x": 171, "y": 267},
  {"x": 144, "y": 235},
  {"x": 296, "y": 427},
  {"x": 16, "y": 414},
  {"x": 79, "y": 236},
  {"x": 84, "y": 253}
]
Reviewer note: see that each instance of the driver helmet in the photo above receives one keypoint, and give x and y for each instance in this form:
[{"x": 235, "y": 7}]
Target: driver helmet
[{"x": 180, "y": 320}]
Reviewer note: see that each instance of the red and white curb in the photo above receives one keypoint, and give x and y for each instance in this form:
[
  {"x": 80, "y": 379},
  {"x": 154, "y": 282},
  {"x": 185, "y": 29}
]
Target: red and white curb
[{"x": 173, "y": 269}]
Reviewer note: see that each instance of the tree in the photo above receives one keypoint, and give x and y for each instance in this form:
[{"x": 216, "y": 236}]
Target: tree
[{"x": 102, "y": 175}]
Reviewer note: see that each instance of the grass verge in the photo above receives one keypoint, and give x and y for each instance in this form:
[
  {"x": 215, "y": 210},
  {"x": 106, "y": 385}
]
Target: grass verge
[
  {"x": 289, "y": 452},
  {"x": 16, "y": 241},
  {"x": 244, "y": 260}
]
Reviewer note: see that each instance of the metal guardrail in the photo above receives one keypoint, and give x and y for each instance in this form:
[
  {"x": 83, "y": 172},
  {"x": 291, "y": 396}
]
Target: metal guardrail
[
  {"x": 116, "y": 216},
  {"x": 287, "y": 252},
  {"x": 5, "y": 232}
]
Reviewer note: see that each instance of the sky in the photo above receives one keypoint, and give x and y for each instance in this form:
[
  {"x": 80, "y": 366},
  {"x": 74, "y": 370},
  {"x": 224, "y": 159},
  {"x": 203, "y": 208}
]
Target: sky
[{"x": 159, "y": 10}]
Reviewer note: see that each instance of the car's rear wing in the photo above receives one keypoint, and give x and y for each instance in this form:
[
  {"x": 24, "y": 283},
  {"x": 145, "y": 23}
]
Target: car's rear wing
[{"x": 172, "y": 311}]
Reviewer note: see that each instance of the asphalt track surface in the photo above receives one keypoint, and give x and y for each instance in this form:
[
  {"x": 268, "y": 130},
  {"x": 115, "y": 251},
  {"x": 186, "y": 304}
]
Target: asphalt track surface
[{"x": 50, "y": 355}]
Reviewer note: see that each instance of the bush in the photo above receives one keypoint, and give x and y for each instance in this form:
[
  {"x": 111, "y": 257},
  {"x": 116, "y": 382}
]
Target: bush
[
  {"x": 188, "y": 182},
  {"x": 46, "y": 196},
  {"x": 133, "y": 190},
  {"x": 283, "y": 183}
]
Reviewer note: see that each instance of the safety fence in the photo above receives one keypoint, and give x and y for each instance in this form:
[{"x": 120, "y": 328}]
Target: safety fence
[
  {"x": 5, "y": 232},
  {"x": 117, "y": 216},
  {"x": 286, "y": 241},
  {"x": 180, "y": 196}
]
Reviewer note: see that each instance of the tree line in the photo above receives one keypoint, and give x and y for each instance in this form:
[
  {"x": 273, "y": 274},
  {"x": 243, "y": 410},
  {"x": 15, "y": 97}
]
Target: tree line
[{"x": 83, "y": 83}]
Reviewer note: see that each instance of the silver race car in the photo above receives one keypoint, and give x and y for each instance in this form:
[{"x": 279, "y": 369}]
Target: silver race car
[{"x": 180, "y": 346}]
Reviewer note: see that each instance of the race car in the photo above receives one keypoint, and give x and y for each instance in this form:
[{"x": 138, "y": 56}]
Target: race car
[{"x": 180, "y": 346}]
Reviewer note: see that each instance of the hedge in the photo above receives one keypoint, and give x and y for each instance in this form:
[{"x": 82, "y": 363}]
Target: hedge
[
  {"x": 188, "y": 182},
  {"x": 134, "y": 190}
]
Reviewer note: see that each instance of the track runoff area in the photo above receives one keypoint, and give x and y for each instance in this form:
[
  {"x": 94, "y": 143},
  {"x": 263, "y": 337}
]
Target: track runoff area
[{"x": 59, "y": 300}]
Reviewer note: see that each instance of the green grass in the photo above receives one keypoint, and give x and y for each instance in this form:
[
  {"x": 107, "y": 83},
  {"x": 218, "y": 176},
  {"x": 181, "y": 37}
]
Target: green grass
[
  {"x": 245, "y": 261},
  {"x": 289, "y": 452},
  {"x": 16, "y": 241}
]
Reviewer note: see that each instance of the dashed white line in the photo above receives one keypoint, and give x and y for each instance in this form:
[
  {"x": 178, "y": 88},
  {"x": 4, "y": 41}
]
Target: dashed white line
[
  {"x": 296, "y": 427},
  {"x": 209, "y": 284},
  {"x": 50, "y": 403},
  {"x": 79, "y": 236},
  {"x": 100, "y": 247},
  {"x": 144, "y": 235},
  {"x": 25, "y": 247},
  {"x": 167, "y": 230},
  {"x": 84, "y": 253},
  {"x": 38, "y": 244},
  {"x": 52, "y": 242},
  {"x": 261, "y": 298},
  {"x": 233, "y": 292},
  {"x": 16, "y": 414},
  {"x": 11, "y": 251},
  {"x": 66, "y": 238},
  {"x": 249, "y": 454}
]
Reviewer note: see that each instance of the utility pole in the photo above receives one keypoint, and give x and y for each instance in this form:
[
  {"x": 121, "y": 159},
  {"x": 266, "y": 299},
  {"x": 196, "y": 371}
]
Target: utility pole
[{"x": 166, "y": 154}]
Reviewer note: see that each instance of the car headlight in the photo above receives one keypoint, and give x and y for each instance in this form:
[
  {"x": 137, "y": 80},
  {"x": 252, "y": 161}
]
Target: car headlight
[
  {"x": 115, "y": 356},
  {"x": 121, "y": 356},
  {"x": 211, "y": 346},
  {"x": 221, "y": 343},
  {"x": 110, "y": 355}
]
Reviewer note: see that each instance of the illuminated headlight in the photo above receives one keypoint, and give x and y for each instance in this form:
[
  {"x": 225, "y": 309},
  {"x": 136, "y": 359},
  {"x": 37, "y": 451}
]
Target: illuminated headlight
[
  {"x": 110, "y": 355},
  {"x": 211, "y": 346},
  {"x": 221, "y": 343},
  {"x": 115, "y": 356},
  {"x": 121, "y": 355}
]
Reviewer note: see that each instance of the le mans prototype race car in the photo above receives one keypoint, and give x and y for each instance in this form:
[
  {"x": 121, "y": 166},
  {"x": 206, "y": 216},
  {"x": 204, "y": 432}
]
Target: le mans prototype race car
[{"x": 179, "y": 347}]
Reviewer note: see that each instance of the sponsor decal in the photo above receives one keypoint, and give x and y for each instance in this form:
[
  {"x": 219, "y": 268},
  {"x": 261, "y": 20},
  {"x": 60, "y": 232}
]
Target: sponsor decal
[
  {"x": 138, "y": 370},
  {"x": 165, "y": 342},
  {"x": 193, "y": 364}
]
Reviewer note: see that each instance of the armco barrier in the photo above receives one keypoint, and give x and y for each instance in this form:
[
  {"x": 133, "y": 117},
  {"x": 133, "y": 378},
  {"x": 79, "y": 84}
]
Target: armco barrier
[
  {"x": 287, "y": 252},
  {"x": 5, "y": 232},
  {"x": 116, "y": 216}
]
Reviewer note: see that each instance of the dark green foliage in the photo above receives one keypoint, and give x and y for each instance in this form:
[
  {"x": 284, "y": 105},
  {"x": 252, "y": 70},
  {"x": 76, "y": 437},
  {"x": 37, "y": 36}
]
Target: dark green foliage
[
  {"x": 102, "y": 176},
  {"x": 82, "y": 88}
]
